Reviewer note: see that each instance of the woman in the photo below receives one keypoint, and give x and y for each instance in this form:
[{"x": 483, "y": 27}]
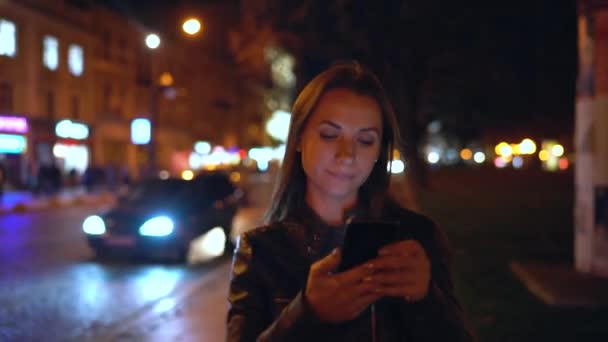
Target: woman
[{"x": 284, "y": 284}]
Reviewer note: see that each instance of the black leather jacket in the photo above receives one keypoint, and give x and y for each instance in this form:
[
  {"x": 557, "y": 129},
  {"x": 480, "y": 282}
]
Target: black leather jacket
[{"x": 270, "y": 270}]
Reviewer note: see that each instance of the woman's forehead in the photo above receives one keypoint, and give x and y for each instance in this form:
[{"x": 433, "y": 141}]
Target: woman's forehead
[{"x": 347, "y": 107}]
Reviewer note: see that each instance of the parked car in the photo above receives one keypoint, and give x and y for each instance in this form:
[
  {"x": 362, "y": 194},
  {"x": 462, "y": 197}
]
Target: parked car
[{"x": 163, "y": 217}]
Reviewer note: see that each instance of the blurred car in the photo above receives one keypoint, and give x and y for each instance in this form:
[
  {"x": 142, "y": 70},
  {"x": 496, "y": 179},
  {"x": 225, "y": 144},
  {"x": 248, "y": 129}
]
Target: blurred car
[{"x": 165, "y": 217}]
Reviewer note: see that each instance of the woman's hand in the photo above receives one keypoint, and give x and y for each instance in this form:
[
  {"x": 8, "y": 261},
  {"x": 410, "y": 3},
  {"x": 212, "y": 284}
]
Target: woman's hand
[
  {"x": 340, "y": 297},
  {"x": 403, "y": 270}
]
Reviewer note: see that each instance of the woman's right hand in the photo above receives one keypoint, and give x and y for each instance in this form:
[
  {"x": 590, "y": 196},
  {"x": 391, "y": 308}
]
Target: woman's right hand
[{"x": 340, "y": 297}]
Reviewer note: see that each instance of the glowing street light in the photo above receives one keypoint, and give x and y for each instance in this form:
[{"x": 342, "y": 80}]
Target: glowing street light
[
  {"x": 191, "y": 26},
  {"x": 527, "y": 146},
  {"x": 557, "y": 150},
  {"x": 152, "y": 41}
]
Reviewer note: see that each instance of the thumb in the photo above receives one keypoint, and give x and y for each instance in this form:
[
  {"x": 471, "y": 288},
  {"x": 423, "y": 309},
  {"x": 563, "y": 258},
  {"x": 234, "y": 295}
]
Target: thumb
[{"x": 329, "y": 263}]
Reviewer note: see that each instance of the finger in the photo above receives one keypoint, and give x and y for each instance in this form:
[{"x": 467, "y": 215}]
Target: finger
[
  {"x": 402, "y": 247},
  {"x": 354, "y": 298},
  {"x": 398, "y": 290},
  {"x": 409, "y": 293},
  {"x": 327, "y": 264},
  {"x": 356, "y": 274},
  {"x": 394, "y": 262},
  {"x": 397, "y": 279}
]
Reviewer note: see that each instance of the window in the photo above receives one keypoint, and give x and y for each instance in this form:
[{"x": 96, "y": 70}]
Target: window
[
  {"x": 122, "y": 50},
  {"x": 107, "y": 97},
  {"x": 8, "y": 38},
  {"x": 50, "y": 104},
  {"x": 76, "y": 59},
  {"x": 75, "y": 107},
  {"x": 6, "y": 97},
  {"x": 106, "y": 45},
  {"x": 50, "y": 56}
]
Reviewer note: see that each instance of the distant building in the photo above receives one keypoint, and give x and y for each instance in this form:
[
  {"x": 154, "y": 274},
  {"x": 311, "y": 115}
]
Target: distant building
[{"x": 79, "y": 61}]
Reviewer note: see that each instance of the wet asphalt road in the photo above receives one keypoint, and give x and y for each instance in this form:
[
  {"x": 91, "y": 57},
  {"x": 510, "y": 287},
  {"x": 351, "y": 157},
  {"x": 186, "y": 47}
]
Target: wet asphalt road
[{"x": 53, "y": 289}]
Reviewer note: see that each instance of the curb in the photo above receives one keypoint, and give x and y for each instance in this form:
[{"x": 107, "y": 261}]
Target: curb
[
  {"x": 58, "y": 203},
  {"x": 559, "y": 285}
]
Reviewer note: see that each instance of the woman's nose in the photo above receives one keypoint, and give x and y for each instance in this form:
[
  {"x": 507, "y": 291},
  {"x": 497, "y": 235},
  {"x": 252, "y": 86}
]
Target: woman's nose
[{"x": 346, "y": 151}]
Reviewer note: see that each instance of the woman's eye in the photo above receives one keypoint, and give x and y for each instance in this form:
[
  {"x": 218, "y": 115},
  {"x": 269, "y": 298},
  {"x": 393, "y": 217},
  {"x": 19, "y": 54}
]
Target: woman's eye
[
  {"x": 326, "y": 136},
  {"x": 367, "y": 141}
]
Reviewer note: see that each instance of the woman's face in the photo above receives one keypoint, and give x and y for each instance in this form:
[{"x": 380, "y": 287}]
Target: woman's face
[{"x": 340, "y": 144}]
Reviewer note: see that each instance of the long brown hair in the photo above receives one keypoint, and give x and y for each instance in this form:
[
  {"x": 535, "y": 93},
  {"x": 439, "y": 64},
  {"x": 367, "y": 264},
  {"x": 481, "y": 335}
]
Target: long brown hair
[{"x": 291, "y": 185}]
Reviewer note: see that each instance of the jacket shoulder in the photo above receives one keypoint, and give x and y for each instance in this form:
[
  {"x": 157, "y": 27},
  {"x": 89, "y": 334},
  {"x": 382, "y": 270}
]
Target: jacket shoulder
[
  {"x": 268, "y": 231},
  {"x": 275, "y": 238}
]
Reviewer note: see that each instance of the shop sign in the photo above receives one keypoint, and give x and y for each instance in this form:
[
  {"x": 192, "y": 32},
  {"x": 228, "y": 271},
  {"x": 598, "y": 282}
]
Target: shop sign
[
  {"x": 71, "y": 130},
  {"x": 10, "y": 143},
  {"x": 140, "y": 131},
  {"x": 13, "y": 124}
]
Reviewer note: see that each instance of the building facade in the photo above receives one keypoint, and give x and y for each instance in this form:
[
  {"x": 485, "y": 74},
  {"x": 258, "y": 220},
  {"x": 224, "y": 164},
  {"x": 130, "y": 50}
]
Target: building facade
[
  {"x": 88, "y": 68},
  {"x": 45, "y": 78}
]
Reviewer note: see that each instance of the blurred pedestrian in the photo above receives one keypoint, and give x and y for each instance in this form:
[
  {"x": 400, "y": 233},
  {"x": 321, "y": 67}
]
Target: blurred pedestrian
[
  {"x": 73, "y": 178},
  {"x": 284, "y": 284}
]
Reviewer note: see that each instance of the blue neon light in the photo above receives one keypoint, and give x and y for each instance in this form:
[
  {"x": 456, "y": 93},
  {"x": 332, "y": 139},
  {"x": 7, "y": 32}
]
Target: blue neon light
[{"x": 10, "y": 143}]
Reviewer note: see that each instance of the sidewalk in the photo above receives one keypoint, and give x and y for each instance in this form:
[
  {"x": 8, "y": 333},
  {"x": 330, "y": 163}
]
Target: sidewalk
[{"x": 24, "y": 201}]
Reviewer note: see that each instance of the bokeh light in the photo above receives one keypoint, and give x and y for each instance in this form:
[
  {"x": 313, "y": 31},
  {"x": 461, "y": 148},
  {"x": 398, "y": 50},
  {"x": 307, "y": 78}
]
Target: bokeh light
[
  {"x": 479, "y": 157},
  {"x": 466, "y": 154},
  {"x": 433, "y": 157},
  {"x": 527, "y": 146},
  {"x": 187, "y": 175},
  {"x": 557, "y": 150},
  {"x": 152, "y": 41},
  {"x": 518, "y": 162},
  {"x": 191, "y": 26}
]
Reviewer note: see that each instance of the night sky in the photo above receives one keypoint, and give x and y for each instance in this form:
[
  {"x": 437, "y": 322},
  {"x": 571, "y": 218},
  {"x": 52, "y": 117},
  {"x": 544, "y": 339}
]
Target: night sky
[{"x": 509, "y": 62}]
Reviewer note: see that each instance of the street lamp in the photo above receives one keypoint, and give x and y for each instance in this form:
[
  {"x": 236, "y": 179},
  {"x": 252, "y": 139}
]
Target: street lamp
[
  {"x": 152, "y": 41},
  {"x": 162, "y": 85},
  {"x": 191, "y": 26}
]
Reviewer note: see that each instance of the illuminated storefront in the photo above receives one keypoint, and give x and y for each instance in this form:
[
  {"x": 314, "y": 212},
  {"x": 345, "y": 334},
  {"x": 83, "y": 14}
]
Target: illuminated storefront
[
  {"x": 71, "y": 150},
  {"x": 13, "y": 147}
]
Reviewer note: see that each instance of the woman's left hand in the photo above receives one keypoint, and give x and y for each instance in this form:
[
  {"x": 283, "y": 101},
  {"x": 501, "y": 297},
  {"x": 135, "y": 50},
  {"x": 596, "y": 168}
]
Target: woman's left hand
[{"x": 403, "y": 270}]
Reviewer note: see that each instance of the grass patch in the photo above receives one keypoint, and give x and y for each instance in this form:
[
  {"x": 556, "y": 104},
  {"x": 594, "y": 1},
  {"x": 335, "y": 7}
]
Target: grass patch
[{"x": 493, "y": 217}]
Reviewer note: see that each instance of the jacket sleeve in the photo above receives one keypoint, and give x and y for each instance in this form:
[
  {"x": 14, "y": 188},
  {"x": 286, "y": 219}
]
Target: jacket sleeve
[
  {"x": 249, "y": 317},
  {"x": 247, "y": 313},
  {"x": 440, "y": 316}
]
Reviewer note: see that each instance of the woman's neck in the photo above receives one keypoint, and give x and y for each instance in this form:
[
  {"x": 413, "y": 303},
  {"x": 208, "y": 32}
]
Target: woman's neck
[{"x": 329, "y": 210}]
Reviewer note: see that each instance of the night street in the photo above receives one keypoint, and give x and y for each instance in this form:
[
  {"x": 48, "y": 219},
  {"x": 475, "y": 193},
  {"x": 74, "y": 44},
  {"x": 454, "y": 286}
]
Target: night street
[
  {"x": 51, "y": 287},
  {"x": 140, "y": 139}
]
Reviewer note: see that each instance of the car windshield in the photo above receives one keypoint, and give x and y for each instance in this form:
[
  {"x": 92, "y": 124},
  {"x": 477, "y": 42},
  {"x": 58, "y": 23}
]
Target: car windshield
[{"x": 158, "y": 190}]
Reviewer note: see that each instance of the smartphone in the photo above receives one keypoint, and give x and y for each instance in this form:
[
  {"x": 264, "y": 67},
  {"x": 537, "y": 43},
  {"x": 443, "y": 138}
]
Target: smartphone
[{"x": 363, "y": 239}]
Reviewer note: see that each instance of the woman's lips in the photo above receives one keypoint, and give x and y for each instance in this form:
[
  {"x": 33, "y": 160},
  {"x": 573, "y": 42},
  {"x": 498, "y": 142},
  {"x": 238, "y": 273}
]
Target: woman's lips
[{"x": 341, "y": 176}]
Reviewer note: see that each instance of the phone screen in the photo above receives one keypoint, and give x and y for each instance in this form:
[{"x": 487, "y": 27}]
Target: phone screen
[{"x": 363, "y": 239}]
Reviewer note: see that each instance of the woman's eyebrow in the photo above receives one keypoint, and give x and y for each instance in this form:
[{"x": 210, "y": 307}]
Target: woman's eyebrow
[
  {"x": 370, "y": 129},
  {"x": 336, "y": 126},
  {"x": 331, "y": 123}
]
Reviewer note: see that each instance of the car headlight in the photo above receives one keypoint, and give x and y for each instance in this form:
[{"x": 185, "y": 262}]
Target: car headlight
[
  {"x": 158, "y": 226},
  {"x": 94, "y": 225}
]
